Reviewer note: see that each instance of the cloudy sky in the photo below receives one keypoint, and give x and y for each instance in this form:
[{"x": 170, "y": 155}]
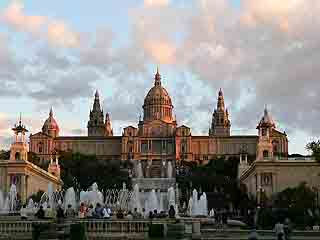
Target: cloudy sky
[{"x": 56, "y": 53}]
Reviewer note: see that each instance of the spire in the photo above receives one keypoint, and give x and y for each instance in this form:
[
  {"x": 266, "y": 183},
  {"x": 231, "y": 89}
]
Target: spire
[
  {"x": 220, "y": 103},
  {"x": 20, "y": 121},
  {"x": 108, "y": 126},
  {"x": 157, "y": 78},
  {"x": 96, "y": 104},
  {"x": 51, "y": 113}
]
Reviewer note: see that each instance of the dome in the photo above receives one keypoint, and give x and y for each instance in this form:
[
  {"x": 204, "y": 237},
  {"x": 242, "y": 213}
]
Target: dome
[
  {"x": 157, "y": 103},
  {"x": 50, "y": 125}
]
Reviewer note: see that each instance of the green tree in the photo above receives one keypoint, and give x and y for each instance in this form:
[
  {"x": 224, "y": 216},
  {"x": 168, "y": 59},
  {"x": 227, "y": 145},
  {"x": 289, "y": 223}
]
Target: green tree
[
  {"x": 300, "y": 197},
  {"x": 81, "y": 171},
  {"x": 314, "y": 147},
  {"x": 4, "y": 154}
]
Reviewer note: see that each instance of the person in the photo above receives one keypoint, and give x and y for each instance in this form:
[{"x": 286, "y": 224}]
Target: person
[
  {"x": 144, "y": 213},
  {"x": 98, "y": 211},
  {"x": 136, "y": 214},
  {"x": 253, "y": 235},
  {"x": 151, "y": 215},
  {"x": 90, "y": 211},
  {"x": 82, "y": 210},
  {"x": 119, "y": 214},
  {"x": 287, "y": 228},
  {"x": 49, "y": 213},
  {"x": 70, "y": 213},
  {"x": 129, "y": 216},
  {"x": 40, "y": 213},
  {"x": 278, "y": 228},
  {"x": 60, "y": 214},
  {"x": 172, "y": 212},
  {"x": 155, "y": 213},
  {"x": 105, "y": 213},
  {"x": 24, "y": 212}
]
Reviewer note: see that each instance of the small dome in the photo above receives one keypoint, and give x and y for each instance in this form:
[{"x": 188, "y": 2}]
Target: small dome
[{"x": 50, "y": 124}]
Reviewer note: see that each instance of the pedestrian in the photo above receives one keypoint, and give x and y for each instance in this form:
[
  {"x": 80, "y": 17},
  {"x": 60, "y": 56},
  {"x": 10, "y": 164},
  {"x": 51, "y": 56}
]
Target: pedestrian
[
  {"x": 172, "y": 212},
  {"x": 24, "y": 212},
  {"x": 40, "y": 213},
  {"x": 70, "y": 213},
  {"x": 279, "y": 231},
  {"x": 287, "y": 229}
]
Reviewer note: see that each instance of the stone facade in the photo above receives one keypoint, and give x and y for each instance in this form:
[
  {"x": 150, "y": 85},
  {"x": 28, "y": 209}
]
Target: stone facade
[
  {"x": 273, "y": 176},
  {"x": 27, "y": 177},
  {"x": 158, "y": 137}
]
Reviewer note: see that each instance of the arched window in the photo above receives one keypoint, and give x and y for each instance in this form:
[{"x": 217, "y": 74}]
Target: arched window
[
  {"x": 17, "y": 156},
  {"x": 264, "y": 132},
  {"x": 275, "y": 146},
  {"x": 265, "y": 154},
  {"x": 40, "y": 147}
]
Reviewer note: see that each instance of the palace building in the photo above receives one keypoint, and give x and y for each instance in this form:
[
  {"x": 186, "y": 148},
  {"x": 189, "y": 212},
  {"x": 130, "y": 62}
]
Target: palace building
[{"x": 158, "y": 138}]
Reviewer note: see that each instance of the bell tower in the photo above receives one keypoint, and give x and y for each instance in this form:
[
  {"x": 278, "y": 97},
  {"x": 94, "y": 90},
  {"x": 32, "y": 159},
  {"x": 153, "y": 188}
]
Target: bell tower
[
  {"x": 19, "y": 147},
  {"x": 220, "y": 125},
  {"x": 96, "y": 125},
  {"x": 265, "y": 147}
]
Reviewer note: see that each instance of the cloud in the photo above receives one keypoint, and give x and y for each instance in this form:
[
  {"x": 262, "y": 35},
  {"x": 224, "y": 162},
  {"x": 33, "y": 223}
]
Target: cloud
[
  {"x": 56, "y": 32},
  {"x": 156, "y": 3}
]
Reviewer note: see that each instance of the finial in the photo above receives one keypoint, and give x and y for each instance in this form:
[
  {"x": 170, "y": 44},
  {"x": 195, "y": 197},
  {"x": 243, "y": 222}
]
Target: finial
[
  {"x": 220, "y": 92},
  {"x": 265, "y": 109},
  {"x": 20, "y": 121},
  {"x": 96, "y": 94},
  {"x": 157, "y": 78},
  {"x": 140, "y": 117},
  {"x": 51, "y": 112}
]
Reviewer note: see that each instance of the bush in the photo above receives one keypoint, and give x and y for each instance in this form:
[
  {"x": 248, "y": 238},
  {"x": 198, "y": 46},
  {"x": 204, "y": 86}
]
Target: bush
[
  {"x": 77, "y": 232},
  {"x": 156, "y": 230},
  {"x": 37, "y": 228}
]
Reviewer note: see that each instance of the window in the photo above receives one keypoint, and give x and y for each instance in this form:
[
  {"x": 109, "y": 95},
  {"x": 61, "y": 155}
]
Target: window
[
  {"x": 265, "y": 154},
  {"x": 156, "y": 146},
  {"x": 205, "y": 157},
  {"x": 144, "y": 147},
  {"x": 17, "y": 156},
  {"x": 40, "y": 149},
  {"x": 264, "y": 132}
]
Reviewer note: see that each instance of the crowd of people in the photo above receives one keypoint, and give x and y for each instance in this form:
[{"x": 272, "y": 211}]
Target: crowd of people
[{"x": 97, "y": 212}]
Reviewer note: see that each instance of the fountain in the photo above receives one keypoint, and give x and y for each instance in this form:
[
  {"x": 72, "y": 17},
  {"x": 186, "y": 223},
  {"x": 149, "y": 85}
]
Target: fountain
[
  {"x": 171, "y": 197},
  {"x": 152, "y": 202},
  {"x": 70, "y": 198},
  {"x": 10, "y": 203},
  {"x": 50, "y": 195},
  {"x": 1, "y": 201},
  {"x": 198, "y": 207},
  {"x": 135, "y": 200},
  {"x": 169, "y": 170},
  {"x": 139, "y": 170}
]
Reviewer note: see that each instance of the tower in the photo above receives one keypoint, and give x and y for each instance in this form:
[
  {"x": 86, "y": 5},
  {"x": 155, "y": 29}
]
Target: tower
[
  {"x": 220, "y": 125},
  {"x": 50, "y": 126},
  {"x": 265, "y": 126},
  {"x": 54, "y": 167},
  {"x": 108, "y": 127},
  {"x": 19, "y": 147},
  {"x": 96, "y": 126}
]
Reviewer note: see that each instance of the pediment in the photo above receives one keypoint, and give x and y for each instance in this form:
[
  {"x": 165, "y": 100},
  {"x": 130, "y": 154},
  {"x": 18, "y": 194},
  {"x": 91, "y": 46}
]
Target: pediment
[{"x": 40, "y": 135}]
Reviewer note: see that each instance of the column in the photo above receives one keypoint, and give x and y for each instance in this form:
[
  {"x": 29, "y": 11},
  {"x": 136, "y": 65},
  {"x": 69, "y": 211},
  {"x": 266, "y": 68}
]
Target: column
[
  {"x": 246, "y": 158},
  {"x": 240, "y": 158},
  {"x": 23, "y": 188}
]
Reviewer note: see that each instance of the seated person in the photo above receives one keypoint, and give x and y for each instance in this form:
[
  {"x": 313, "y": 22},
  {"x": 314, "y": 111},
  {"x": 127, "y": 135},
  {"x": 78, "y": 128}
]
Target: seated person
[
  {"x": 49, "y": 212},
  {"x": 129, "y": 216},
  {"x": 172, "y": 212},
  {"x": 70, "y": 213},
  {"x": 98, "y": 211},
  {"x": 24, "y": 212},
  {"x": 40, "y": 213}
]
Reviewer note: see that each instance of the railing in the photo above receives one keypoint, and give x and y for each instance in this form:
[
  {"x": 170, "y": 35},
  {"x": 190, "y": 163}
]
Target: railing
[
  {"x": 108, "y": 226},
  {"x": 17, "y": 226}
]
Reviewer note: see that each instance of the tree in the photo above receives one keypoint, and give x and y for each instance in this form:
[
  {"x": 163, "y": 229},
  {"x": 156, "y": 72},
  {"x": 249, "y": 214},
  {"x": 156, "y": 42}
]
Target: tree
[
  {"x": 314, "y": 147},
  {"x": 219, "y": 174},
  {"x": 300, "y": 197},
  {"x": 81, "y": 171},
  {"x": 4, "y": 154}
]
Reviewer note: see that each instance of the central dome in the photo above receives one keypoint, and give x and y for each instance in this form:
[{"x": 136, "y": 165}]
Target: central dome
[{"x": 157, "y": 104}]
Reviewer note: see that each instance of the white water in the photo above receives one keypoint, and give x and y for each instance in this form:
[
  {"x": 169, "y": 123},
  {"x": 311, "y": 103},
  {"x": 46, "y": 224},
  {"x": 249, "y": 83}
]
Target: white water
[
  {"x": 197, "y": 206},
  {"x": 169, "y": 170},
  {"x": 139, "y": 170},
  {"x": 70, "y": 198}
]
